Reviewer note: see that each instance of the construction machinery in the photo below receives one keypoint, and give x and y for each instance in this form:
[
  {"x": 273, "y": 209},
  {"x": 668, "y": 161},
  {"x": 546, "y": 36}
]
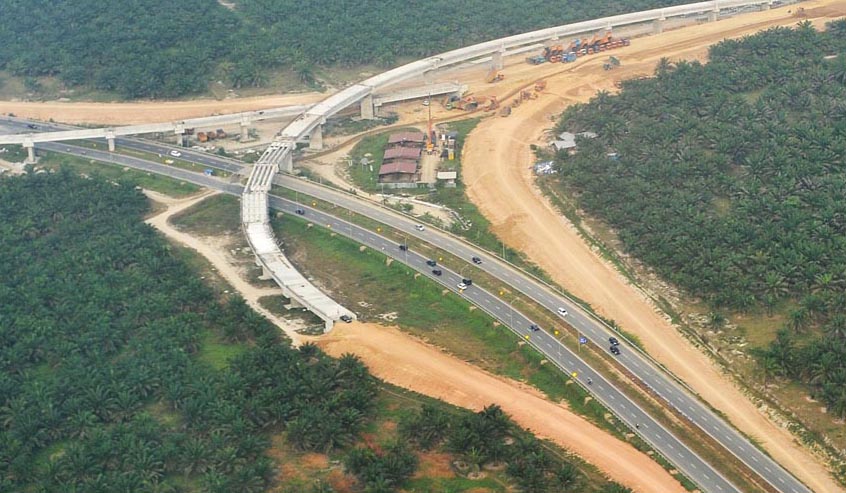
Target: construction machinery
[
  {"x": 536, "y": 60},
  {"x": 580, "y": 47},
  {"x": 221, "y": 134},
  {"x": 540, "y": 85},
  {"x": 505, "y": 111},
  {"x": 494, "y": 76},
  {"x": 202, "y": 137},
  {"x": 451, "y": 101},
  {"x": 612, "y": 63}
]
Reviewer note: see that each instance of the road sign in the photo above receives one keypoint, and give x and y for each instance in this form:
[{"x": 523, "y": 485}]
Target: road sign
[{"x": 582, "y": 340}]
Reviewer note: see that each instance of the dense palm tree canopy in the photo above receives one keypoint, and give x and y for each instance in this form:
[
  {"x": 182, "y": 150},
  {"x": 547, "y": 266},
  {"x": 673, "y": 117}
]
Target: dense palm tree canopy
[
  {"x": 729, "y": 180},
  {"x": 158, "y": 48},
  {"x": 103, "y": 386}
]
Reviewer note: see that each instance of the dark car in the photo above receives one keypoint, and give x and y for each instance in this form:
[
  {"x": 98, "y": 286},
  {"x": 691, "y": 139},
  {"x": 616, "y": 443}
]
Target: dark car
[
  {"x": 300, "y": 212},
  {"x": 32, "y": 126},
  {"x": 346, "y": 318},
  {"x": 403, "y": 247},
  {"x": 613, "y": 341},
  {"x": 534, "y": 327},
  {"x": 468, "y": 282},
  {"x": 476, "y": 260},
  {"x": 437, "y": 272},
  {"x": 431, "y": 263},
  {"x": 614, "y": 350}
]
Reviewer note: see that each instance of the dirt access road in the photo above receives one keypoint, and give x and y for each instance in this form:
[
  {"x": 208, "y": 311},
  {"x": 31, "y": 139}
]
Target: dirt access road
[
  {"x": 215, "y": 251},
  {"x": 496, "y": 167},
  {"x": 403, "y": 360},
  {"x": 149, "y": 111},
  {"x": 407, "y": 362}
]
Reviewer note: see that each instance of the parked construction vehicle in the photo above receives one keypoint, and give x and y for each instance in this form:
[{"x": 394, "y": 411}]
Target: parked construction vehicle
[
  {"x": 612, "y": 63},
  {"x": 505, "y": 111},
  {"x": 800, "y": 13},
  {"x": 536, "y": 60},
  {"x": 221, "y": 134},
  {"x": 202, "y": 137},
  {"x": 540, "y": 85},
  {"x": 581, "y": 47},
  {"x": 494, "y": 76}
]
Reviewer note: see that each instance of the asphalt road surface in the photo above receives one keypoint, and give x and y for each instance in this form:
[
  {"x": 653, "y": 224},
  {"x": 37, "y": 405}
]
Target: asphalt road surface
[{"x": 596, "y": 332}]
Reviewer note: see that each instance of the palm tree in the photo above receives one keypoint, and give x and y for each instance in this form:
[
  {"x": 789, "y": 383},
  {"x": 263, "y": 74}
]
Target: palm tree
[{"x": 798, "y": 320}]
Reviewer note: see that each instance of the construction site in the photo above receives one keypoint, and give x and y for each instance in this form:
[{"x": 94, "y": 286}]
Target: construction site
[{"x": 518, "y": 104}]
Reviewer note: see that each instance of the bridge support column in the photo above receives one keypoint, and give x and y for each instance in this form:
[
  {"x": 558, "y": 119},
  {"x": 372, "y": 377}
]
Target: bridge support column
[
  {"x": 179, "y": 130},
  {"x": 658, "y": 26},
  {"x": 327, "y": 326},
  {"x": 713, "y": 15},
  {"x": 245, "y": 129},
  {"x": 497, "y": 62},
  {"x": 766, "y": 6},
  {"x": 315, "y": 140},
  {"x": 110, "y": 139},
  {"x": 368, "y": 111},
  {"x": 287, "y": 163},
  {"x": 29, "y": 145}
]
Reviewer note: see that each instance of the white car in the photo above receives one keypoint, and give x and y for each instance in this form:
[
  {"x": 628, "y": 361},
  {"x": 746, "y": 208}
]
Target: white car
[
  {"x": 175, "y": 153},
  {"x": 562, "y": 312},
  {"x": 461, "y": 286},
  {"x": 419, "y": 227}
]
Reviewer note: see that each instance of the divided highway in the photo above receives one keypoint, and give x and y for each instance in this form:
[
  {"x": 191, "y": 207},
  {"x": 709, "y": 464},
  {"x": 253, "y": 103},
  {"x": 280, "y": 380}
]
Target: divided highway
[{"x": 594, "y": 330}]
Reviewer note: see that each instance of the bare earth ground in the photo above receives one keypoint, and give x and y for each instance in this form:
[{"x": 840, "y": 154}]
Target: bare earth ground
[
  {"x": 407, "y": 362},
  {"x": 216, "y": 253},
  {"x": 496, "y": 168},
  {"x": 149, "y": 112}
]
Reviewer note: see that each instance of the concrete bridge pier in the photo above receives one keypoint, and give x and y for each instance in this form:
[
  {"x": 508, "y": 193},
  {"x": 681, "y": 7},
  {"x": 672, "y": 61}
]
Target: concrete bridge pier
[
  {"x": 327, "y": 325},
  {"x": 110, "y": 139},
  {"x": 245, "y": 129},
  {"x": 767, "y": 6},
  {"x": 179, "y": 130},
  {"x": 658, "y": 25},
  {"x": 287, "y": 163},
  {"x": 29, "y": 145},
  {"x": 315, "y": 140},
  {"x": 497, "y": 62},
  {"x": 714, "y": 15},
  {"x": 368, "y": 111}
]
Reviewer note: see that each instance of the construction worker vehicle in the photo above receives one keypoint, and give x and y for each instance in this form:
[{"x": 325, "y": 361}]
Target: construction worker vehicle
[
  {"x": 612, "y": 63},
  {"x": 494, "y": 76}
]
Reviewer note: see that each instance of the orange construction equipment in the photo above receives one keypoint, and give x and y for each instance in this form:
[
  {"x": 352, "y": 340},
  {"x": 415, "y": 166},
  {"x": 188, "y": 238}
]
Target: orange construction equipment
[
  {"x": 540, "y": 85},
  {"x": 202, "y": 137},
  {"x": 494, "y": 76},
  {"x": 505, "y": 111}
]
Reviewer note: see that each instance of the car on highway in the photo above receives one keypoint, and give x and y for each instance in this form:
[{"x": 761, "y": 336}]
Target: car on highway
[
  {"x": 613, "y": 341},
  {"x": 431, "y": 263},
  {"x": 403, "y": 247},
  {"x": 562, "y": 312},
  {"x": 615, "y": 350},
  {"x": 461, "y": 286},
  {"x": 346, "y": 318},
  {"x": 437, "y": 272},
  {"x": 476, "y": 260},
  {"x": 32, "y": 126},
  {"x": 175, "y": 153},
  {"x": 467, "y": 281},
  {"x": 534, "y": 327},
  {"x": 300, "y": 211},
  {"x": 419, "y": 227}
]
